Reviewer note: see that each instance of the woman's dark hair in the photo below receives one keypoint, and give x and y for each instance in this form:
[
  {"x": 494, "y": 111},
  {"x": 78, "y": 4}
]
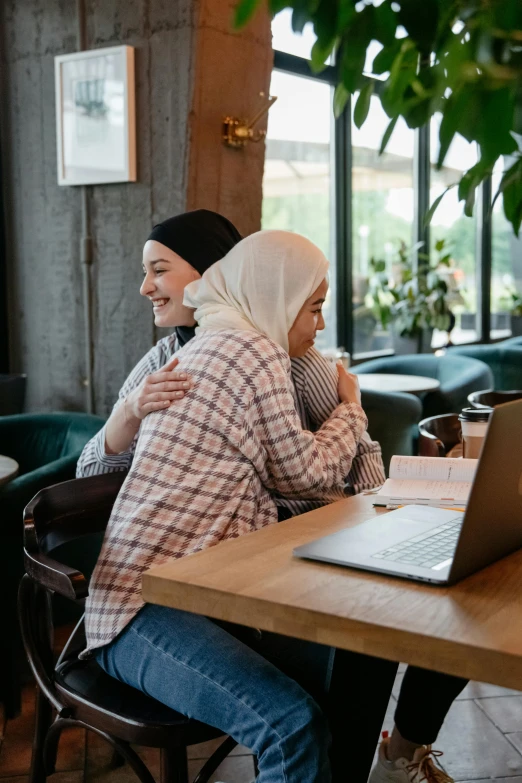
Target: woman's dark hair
[{"x": 201, "y": 238}]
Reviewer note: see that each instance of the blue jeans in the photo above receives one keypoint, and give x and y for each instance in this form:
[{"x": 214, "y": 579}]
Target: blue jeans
[{"x": 209, "y": 671}]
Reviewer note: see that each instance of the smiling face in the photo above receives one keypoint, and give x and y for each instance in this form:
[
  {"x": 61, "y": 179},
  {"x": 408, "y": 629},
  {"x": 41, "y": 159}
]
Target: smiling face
[
  {"x": 166, "y": 275},
  {"x": 309, "y": 321}
]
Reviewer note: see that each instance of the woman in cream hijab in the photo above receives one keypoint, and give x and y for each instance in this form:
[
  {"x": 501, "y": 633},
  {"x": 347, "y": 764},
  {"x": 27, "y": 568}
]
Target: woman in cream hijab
[
  {"x": 261, "y": 285},
  {"x": 206, "y": 470}
]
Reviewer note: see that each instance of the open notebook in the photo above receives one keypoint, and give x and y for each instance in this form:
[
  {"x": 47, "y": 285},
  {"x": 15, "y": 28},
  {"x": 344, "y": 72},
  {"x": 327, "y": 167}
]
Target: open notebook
[{"x": 429, "y": 481}]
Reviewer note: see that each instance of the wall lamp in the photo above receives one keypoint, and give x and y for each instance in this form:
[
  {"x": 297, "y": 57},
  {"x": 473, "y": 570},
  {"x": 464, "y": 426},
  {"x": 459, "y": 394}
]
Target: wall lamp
[{"x": 236, "y": 132}]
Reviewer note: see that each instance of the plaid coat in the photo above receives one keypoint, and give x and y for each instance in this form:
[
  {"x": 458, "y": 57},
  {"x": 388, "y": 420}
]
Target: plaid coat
[{"x": 205, "y": 468}]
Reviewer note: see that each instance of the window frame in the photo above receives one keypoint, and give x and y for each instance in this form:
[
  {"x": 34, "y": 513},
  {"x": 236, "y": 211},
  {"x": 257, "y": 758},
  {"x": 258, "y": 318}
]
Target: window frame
[{"x": 343, "y": 228}]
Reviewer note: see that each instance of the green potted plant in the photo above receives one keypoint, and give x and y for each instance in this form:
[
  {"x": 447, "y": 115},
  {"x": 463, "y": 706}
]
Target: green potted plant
[
  {"x": 457, "y": 58},
  {"x": 512, "y": 302},
  {"x": 411, "y": 301}
]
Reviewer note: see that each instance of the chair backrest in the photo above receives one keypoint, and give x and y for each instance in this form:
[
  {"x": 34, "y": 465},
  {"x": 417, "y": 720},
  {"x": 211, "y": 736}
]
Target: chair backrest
[
  {"x": 439, "y": 434},
  {"x": 418, "y": 364},
  {"x": 458, "y": 377},
  {"x": 517, "y": 340},
  {"x": 61, "y": 518},
  {"x": 58, "y": 517},
  {"x": 504, "y": 360},
  {"x": 392, "y": 419},
  {"x": 490, "y": 398}
]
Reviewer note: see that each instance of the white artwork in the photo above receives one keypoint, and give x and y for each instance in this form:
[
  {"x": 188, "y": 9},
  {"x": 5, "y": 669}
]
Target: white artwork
[{"x": 95, "y": 116}]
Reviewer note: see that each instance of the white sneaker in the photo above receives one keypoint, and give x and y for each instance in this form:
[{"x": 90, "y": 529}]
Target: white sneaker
[{"x": 423, "y": 767}]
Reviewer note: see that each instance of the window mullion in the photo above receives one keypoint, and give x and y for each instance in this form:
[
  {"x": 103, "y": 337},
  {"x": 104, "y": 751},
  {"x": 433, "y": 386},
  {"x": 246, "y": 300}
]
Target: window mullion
[
  {"x": 483, "y": 267},
  {"x": 343, "y": 227}
]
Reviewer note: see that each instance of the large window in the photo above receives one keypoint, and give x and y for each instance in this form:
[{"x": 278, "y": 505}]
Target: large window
[
  {"x": 382, "y": 214},
  {"x": 506, "y": 278},
  {"x": 458, "y": 232},
  {"x": 285, "y": 40},
  {"x": 324, "y": 178},
  {"x": 297, "y": 186}
]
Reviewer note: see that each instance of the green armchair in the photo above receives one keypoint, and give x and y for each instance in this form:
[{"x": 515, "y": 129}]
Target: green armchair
[
  {"x": 504, "y": 360},
  {"x": 46, "y": 447},
  {"x": 458, "y": 377},
  {"x": 392, "y": 421}
]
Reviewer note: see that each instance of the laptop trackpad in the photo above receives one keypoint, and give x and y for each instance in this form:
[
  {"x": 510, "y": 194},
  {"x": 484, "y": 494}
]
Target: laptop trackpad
[{"x": 379, "y": 533}]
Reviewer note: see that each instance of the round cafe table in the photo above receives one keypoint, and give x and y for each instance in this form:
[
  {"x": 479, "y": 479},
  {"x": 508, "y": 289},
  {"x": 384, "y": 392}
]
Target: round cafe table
[
  {"x": 389, "y": 382},
  {"x": 8, "y": 469}
]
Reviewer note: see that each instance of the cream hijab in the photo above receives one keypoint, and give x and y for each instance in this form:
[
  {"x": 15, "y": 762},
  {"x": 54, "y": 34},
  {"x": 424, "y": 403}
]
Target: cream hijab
[{"x": 260, "y": 285}]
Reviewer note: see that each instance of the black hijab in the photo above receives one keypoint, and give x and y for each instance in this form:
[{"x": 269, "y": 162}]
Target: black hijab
[{"x": 201, "y": 238}]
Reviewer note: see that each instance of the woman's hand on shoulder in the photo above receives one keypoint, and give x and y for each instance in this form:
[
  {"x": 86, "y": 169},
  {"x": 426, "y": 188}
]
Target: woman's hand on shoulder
[
  {"x": 158, "y": 390},
  {"x": 348, "y": 385}
]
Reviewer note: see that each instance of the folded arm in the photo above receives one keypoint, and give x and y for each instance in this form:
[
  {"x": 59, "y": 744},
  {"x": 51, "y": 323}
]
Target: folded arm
[
  {"x": 151, "y": 385},
  {"x": 316, "y": 384}
]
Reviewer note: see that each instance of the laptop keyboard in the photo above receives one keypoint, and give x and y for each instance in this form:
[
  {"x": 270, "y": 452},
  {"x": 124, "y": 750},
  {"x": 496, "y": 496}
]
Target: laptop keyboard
[{"x": 427, "y": 549}]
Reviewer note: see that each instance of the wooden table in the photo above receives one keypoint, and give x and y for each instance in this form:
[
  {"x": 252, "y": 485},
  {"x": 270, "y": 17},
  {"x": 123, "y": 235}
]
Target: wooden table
[
  {"x": 473, "y": 629},
  {"x": 390, "y": 382},
  {"x": 8, "y": 469}
]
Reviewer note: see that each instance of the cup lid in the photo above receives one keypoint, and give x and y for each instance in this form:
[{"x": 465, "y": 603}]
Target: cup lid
[{"x": 477, "y": 415}]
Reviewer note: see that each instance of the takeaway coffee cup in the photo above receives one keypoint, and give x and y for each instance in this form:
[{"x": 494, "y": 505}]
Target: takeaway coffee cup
[{"x": 474, "y": 423}]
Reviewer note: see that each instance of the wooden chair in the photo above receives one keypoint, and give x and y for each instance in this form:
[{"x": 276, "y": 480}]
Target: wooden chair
[
  {"x": 438, "y": 435},
  {"x": 490, "y": 398},
  {"x": 67, "y": 518}
]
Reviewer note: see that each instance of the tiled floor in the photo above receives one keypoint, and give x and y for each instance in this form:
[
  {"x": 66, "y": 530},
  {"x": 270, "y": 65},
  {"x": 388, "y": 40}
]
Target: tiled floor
[{"x": 481, "y": 740}]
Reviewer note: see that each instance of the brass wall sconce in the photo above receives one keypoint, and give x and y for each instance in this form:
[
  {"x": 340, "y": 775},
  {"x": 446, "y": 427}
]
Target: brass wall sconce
[{"x": 237, "y": 132}]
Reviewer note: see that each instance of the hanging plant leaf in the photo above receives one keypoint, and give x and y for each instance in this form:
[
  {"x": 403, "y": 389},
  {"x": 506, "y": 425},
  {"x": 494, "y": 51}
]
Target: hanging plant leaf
[
  {"x": 320, "y": 55},
  {"x": 387, "y": 135},
  {"x": 421, "y": 26},
  {"x": 470, "y": 182},
  {"x": 383, "y": 61},
  {"x": 341, "y": 96},
  {"x": 355, "y": 42},
  {"x": 511, "y": 185},
  {"x": 362, "y": 107},
  {"x": 431, "y": 211},
  {"x": 385, "y": 24},
  {"x": 244, "y": 11}
]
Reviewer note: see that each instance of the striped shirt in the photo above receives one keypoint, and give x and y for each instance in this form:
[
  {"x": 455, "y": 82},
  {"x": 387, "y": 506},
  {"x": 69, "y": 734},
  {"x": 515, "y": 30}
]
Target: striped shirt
[
  {"x": 206, "y": 469},
  {"x": 316, "y": 396}
]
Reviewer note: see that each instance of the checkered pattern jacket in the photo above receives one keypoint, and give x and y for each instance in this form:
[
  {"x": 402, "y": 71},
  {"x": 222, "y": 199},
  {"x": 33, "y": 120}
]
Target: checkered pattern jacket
[
  {"x": 315, "y": 383},
  {"x": 205, "y": 468}
]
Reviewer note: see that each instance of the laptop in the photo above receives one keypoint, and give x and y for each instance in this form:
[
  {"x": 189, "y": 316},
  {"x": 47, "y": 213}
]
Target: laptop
[{"x": 437, "y": 545}]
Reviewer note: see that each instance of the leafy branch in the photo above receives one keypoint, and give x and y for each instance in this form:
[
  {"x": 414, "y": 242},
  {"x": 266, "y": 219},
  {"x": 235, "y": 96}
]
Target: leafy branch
[{"x": 459, "y": 58}]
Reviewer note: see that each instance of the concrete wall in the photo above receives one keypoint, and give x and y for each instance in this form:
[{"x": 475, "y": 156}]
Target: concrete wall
[{"x": 190, "y": 71}]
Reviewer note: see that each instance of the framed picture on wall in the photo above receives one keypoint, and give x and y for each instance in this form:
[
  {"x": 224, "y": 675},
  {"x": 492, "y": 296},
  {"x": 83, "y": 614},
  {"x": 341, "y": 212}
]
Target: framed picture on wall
[{"x": 96, "y": 116}]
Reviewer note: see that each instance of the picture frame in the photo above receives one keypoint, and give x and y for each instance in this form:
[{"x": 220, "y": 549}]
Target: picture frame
[{"x": 96, "y": 116}]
